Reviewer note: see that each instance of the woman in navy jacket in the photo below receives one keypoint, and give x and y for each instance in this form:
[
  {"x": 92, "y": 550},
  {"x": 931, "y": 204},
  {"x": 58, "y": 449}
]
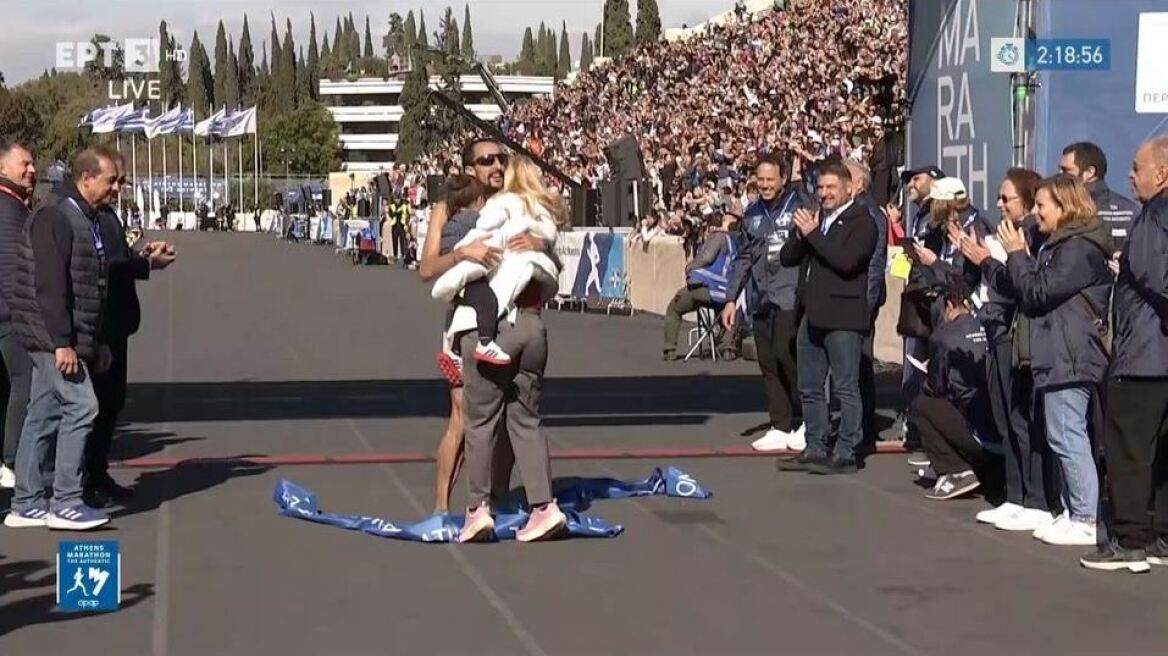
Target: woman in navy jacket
[{"x": 1065, "y": 292}]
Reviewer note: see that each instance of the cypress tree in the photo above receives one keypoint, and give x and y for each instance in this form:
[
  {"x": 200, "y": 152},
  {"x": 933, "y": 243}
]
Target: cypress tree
[
  {"x": 312, "y": 64},
  {"x": 468, "y": 51},
  {"x": 285, "y": 86},
  {"x": 221, "y": 66},
  {"x": 304, "y": 81},
  {"x": 410, "y": 36},
  {"x": 585, "y": 53},
  {"x": 565, "y": 59},
  {"x": 618, "y": 28},
  {"x": 527, "y": 54},
  {"x": 274, "y": 46},
  {"x": 247, "y": 74},
  {"x": 339, "y": 47},
  {"x": 648, "y": 21},
  {"x": 368, "y": 53},
  {"x": 231, "y": 99},
  {"x": 423, "y": 38},
  {"x": 200, "y": 84},
  {"x": 415, "y": 103}
]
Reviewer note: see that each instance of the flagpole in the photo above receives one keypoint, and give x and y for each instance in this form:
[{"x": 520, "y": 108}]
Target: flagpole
[
  {"x": 226, "y": 174},
  {"x": 180, "y": 177},
  {"x": 134, "y": 146},
  {"x": 150, "y": 184},
  {"x": 121, "y": 211},
  {"x": 255, "y": 174},
  {"x": 164, "y": 172},
  {"x": 239, "y": 148}
]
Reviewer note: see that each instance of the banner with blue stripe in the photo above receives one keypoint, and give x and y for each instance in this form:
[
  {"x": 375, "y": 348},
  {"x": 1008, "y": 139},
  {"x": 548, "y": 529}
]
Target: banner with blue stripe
[{"x": 300, "y": 503}]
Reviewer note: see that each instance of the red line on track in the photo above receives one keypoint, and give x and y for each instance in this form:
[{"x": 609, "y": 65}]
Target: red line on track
[{"x": 290, "y": 460}]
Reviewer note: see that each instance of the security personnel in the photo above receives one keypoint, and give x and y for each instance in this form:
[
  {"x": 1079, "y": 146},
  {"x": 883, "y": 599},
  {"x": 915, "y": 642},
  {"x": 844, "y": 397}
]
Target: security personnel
[{"x": 1086, "y": 161}]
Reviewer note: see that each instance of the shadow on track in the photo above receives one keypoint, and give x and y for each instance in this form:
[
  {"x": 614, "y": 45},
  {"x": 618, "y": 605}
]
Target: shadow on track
[{"x": 153, "y": 488}]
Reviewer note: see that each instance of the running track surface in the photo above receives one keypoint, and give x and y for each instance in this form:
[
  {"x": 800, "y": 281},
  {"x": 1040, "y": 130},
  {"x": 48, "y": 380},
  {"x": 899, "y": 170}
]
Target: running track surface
[{"x": 254, "y": 348}]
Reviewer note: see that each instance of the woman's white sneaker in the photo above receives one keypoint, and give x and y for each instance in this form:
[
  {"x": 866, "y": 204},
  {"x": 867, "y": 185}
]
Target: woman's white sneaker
[
  {"x": 1027, "y": 519},
  {"x": 995, "y": 515},
  {"x": 1072, "y": 533},
  {"x": 1041, "y": 531},
  {"x": 797, "y": 439}
]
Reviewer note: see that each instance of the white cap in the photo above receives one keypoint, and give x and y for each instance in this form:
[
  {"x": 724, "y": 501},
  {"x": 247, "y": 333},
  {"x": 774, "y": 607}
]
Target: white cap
[{"x": 947, "y": 189}]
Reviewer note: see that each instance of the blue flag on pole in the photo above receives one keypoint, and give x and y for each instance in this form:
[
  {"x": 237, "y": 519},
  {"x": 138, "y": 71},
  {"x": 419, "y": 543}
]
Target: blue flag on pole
[{"x": 298, "y": 502}]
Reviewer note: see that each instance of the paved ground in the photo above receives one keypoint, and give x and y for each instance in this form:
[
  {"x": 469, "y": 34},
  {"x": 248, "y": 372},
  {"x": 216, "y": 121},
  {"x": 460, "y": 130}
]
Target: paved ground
[{"x": 255, "y": 347}]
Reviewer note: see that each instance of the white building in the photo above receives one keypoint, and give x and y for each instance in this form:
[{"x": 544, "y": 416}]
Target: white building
[{"x": 368, "y": 112}]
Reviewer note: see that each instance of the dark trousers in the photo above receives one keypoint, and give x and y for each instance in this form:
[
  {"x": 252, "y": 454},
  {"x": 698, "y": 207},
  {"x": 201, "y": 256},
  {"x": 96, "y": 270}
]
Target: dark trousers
[
  {"x": 400, "y": 244},
  {"x": 110, "y": 388},
  {"x": 1136, "y": 451},
  {"x": 950, "y": 445},
  {"x": 868, "y": 390},
  {"x": 479, "y": 295},
  {"x": 15, "y": 387},
  {"x": 1033, "y": 478},
  {"x": 834, "y": 353},
  {"x": 774, "y": 339},
  {"x": 686, "y": 300}
]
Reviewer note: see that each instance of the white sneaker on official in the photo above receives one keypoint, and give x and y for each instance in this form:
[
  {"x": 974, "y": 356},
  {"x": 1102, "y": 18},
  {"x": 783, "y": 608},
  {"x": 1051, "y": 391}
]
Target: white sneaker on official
[
  {"x": 1072, "y": 533},
  {"x": 1027, "y": 519},
  {"x": 774, "y": 440},
  {"x": 995, "y": 515},
  {"x": 1057, "y": 525},
  {"x": 797, "y": 439},
  {"x": 7, "y": 478}
]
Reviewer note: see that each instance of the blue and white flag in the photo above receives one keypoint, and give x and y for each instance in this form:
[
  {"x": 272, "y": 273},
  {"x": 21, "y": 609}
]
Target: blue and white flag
[
  {"x": 186, "y": 124},
  {"x": 105, "y": 120},
  {"x": 210, "y": 125},
  {"x": 237, "y": 124},
  {"x": 134, "y": 121},
  {"x": 167, "y": 123},
  {"x": 298, "y": 502}
]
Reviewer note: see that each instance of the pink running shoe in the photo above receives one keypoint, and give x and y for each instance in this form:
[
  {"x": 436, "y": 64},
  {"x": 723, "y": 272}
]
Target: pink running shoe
[
  {"x": 451, "y": 367},
  {"x": 492, "y": 353},
  {"x": 479, "y": 526},
  {"x": 547, "y": 523}
]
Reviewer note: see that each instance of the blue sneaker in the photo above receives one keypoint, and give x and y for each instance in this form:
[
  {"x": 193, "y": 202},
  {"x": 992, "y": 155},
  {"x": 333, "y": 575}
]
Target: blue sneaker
[
  {"x": 78, "y": 517},
  {"x": 27, "y": 518}
]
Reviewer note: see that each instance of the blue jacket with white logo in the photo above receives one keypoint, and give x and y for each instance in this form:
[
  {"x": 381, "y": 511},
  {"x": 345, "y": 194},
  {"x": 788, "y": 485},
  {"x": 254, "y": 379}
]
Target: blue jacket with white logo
[
  {"x": 756, "y": 268},
  {"x": 1140, "y": 346},
  {"x": 1115, "y": 210},
  {"x": 877, "y": 288}
]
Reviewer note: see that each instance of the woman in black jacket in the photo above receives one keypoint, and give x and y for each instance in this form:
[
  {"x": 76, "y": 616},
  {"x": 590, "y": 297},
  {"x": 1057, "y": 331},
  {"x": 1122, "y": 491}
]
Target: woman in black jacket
[{"x": 1065, "y": 292}]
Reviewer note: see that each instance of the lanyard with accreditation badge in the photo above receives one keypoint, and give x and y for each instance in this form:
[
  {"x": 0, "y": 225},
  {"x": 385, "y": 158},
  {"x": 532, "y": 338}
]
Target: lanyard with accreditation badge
[{"x": 98, "y": 244}]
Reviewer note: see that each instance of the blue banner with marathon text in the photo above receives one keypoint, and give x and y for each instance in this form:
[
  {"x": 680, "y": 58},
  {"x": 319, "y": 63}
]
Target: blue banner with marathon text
[{"x": 298, "y": 502}]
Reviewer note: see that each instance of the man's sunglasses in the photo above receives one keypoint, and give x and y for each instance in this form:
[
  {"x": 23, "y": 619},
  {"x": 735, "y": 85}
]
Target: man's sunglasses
[{"x": 490, "y": 160}]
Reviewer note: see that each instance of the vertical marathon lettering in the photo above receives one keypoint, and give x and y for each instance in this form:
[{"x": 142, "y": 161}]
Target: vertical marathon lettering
[{"x": 959, "y": 152}]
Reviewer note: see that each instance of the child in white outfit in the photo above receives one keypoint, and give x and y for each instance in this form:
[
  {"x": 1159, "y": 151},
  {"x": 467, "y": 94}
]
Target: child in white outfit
[{"x": 487, "y": 294}]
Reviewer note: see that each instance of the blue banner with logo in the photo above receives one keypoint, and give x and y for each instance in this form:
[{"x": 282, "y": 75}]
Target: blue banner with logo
[
  {"x": 1115, "y": 109},
  {"x": 300, "y": 503},
  {"x": 961, "y": 111},
  {"x": 601, "y": 270},
  {"x": 89, "y": 576}
]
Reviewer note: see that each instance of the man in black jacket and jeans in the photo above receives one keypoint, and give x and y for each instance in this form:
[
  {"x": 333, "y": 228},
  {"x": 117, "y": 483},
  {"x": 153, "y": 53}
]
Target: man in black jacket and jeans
[
  {"x": 832, "y": 249},
  {"x": 17, "y": 180},
  {"x": 121, "y": 318},
  {"x": 56, "y": 307}
]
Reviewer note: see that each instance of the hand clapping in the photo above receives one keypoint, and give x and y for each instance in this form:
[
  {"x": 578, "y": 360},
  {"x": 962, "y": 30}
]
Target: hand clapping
[
  {"x": 806, "y": 221},
  {"x": 968, "y": 243},
  {"x": 1011, "y": 237}
]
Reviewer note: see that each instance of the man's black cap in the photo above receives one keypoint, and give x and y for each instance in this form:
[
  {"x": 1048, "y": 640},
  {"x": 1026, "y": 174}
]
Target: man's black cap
[{"x": 931, "y": 170}]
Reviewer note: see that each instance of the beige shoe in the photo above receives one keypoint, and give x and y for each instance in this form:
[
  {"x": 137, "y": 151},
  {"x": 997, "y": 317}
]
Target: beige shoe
[
  {"x": 547, "y": 523},
  {"x": 479, "y": 527}
]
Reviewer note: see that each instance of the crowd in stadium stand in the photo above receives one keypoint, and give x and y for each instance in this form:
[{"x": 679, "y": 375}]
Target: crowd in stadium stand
[{"x": 814, "y": 80}]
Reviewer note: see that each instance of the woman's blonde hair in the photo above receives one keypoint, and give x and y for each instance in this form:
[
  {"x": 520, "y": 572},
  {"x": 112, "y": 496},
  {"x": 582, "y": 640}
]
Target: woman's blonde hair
[
  {"x": 1072, "y": 197},
  {"x": 943, "y": 211},
  {"x": 523, "y": 179}
]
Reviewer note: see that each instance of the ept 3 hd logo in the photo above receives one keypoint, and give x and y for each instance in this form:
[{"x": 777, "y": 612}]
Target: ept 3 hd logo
[{"x": 138, "y": 55}]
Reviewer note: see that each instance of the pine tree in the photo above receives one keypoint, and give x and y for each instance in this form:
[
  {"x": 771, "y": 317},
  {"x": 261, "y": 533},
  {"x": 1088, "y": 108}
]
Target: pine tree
[
  {"x": 368, "y": 39},
  {"x": 468, "y": 51},
  {"x": 618, "y": 28},
  {"x": 221, "y": 65},
  {"x": 415, "y": 102},
  {"x": 565, "y": 58},
  {"x": 648, "y": 21},
  {"x": 312, "y": 64},
  {"x": 231, "y": 99},
  {"x": 200, "y": 84},
  {"x": 423, "y": 39},
  {"x": 585, "y": 53},
  {"x": 527, "y": 54},
  {"x": 247, "y": 83}
]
